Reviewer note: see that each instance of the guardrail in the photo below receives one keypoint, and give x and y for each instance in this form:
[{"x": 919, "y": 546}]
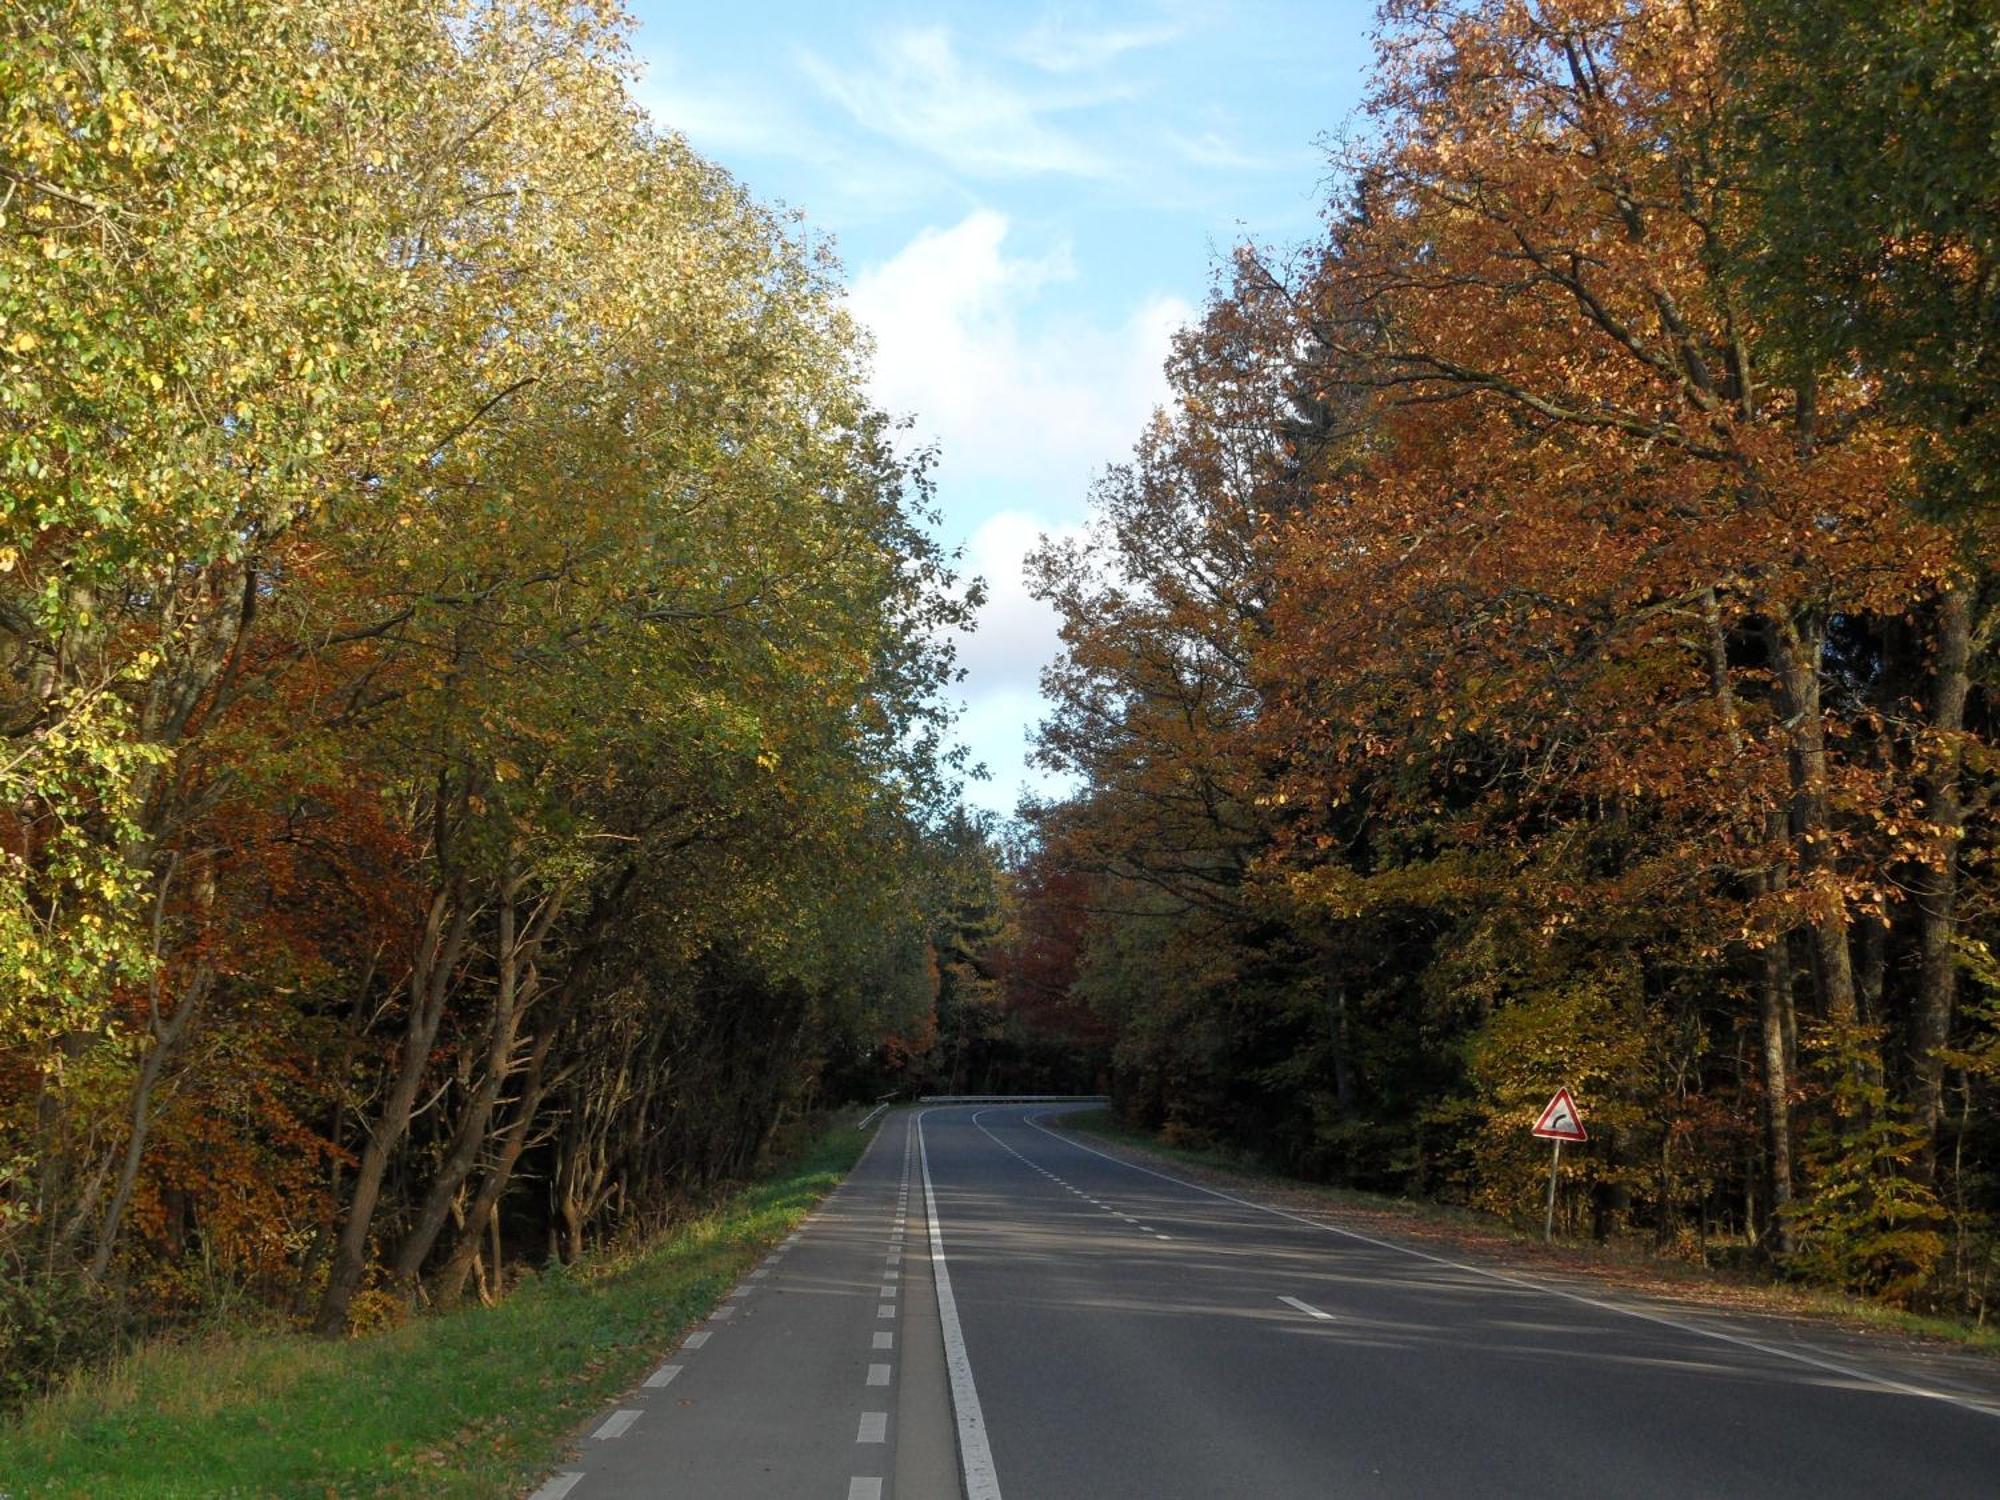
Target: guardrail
[
  {"x": 887, "y": 1099},
  {"x": 1013, "y": 1099}
]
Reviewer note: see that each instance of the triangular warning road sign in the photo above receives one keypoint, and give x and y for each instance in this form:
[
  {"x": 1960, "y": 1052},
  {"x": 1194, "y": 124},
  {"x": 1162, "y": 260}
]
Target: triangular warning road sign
[{"x": 1560, "y": 1121}]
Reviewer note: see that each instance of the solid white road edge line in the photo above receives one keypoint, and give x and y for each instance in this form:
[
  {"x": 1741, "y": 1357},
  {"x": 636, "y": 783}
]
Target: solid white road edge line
[
  {"x": 1812, "y": 1361},
  {"x": 1307, "y": 1308},
  {"x": 974, "y": 1455}
]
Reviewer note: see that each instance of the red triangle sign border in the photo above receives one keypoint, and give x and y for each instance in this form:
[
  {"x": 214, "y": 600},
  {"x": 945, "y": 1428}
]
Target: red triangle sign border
[{"x": 1560, "y": 1120}]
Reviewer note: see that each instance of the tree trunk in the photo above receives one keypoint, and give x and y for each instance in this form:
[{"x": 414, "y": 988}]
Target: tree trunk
[
  {"x": 493, "y": 1185},
  {"x": 1796, "y": 655},
  {"x": 1937, "y": 881},
  {"x": 166, "y": 1035},
  {"x": 430, "y": 985},
  {"x": 1775, "y": 975},
  {"x": 1341, "y": 1039},
  {"x": 513, "y": 994}
]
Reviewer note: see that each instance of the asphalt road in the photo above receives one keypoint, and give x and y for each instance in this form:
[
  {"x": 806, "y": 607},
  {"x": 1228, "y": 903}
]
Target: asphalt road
[{"x": 1068, "y": 1326}]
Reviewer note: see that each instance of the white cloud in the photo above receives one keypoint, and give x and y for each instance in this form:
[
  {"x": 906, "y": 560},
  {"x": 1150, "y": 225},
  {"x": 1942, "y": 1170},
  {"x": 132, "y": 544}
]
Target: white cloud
[
  {"x": 1017, "y": 634},
  {"x": 1012, "y": 398},
  {"x": 1024, "y": 400},
  {"x": 919, "y": 92},
  {"x": 1056, "y": 46},
  {"x": 718, "y": 116}
]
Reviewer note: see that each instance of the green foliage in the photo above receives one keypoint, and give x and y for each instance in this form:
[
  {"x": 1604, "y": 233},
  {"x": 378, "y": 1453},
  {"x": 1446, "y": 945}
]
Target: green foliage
[
  {"x": 476, "y": 1403},
  {"x": 1876, "y": 164},
  {"x": 465, "y": 637},
  {"x": 1866, "y": 1221}
]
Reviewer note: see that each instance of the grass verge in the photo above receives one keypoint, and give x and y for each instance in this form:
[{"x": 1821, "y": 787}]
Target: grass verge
[
  {"x": 472, "y": 1403},
  {"x": 1463, "y": 1230}
]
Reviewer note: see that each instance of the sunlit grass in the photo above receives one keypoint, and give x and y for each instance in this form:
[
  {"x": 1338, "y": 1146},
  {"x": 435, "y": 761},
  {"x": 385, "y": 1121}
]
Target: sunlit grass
[{"x": 472, "y": 1403}]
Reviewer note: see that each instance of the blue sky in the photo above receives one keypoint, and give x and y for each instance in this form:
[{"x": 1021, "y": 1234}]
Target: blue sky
[{"x": 1028, "y": 200}]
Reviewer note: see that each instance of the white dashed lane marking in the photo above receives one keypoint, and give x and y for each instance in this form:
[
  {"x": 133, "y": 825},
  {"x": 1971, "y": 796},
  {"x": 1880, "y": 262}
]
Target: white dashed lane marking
[
  {"x": 878, "y": 1374},
  {"x": 874, "y": 1427},
  {"x": 695, "y": 1340},
  {"x": 1307, "y": 1308},
  {"x": 1078, "y": 1192},
  {"x": 885, "y": 1340},
  {"x": 662, "y": 1376},
  {"x": 617, "y": 1424},
  {"x": 561, "y": 1484},
  {"x": 864, "y": 1489}
]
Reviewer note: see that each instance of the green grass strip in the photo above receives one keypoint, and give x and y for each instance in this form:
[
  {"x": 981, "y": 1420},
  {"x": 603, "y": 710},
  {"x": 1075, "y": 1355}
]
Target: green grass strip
[{"x": 479, "y": 1402}]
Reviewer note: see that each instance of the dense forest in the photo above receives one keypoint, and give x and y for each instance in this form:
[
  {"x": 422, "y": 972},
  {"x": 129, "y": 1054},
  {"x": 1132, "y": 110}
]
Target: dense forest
[
  {"x": 1548, "y": 640},
  {"x": 476, "y": 666},
  {"x": 474, "y": 736}
]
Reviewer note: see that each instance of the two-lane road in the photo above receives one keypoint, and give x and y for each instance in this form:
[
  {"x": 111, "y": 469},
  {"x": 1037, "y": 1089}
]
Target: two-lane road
[
  {"x": 1131, "y": 1335},
  {"x": 1071, "y": 1326}
]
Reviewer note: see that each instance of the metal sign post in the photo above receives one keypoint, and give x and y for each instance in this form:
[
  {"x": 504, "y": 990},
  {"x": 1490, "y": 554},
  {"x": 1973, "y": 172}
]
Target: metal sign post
[
  {"x": 1549, "y": 1222},
  {"x": 1559, "y": 1122}
]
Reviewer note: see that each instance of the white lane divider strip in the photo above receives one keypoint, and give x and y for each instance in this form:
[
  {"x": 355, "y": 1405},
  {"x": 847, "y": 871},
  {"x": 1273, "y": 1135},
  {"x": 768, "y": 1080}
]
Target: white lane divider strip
[
  {"x": 885, "y": 1341},
  {"x": 864, "y": 1489},
  {"x": 559, "y": 1485},
  {"x": 1812, "y": 1361},
  {"x": 662, "y": 1376},
  {"x": 874, "y": 1427},
  {"x": 617, "y": 1424},
  {"x": 974, "y": 1453},
  {"x": 695, "y": 1340},
  {"x": 886, "y": 1310},
  {"x": 878, "y": 1374},
  {"x": 1307, "y": 1308}
]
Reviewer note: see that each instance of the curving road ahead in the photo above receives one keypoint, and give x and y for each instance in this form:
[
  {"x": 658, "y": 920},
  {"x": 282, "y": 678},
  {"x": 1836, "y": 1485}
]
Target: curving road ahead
[{"x": 1065, "y": 1325}]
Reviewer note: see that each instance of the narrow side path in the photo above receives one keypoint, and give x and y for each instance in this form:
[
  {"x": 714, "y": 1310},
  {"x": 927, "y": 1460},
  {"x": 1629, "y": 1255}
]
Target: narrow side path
[{"x": 793, "y": 1385}]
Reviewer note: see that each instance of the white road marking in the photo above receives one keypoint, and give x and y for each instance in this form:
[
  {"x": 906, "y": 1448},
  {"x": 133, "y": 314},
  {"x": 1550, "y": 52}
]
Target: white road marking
[
  {"x": 1812, "y": 1361},
  {"x": 722, "y": 1314},
  {"x": 617, "y": 1424},
  {"x": 874, "y": 1427},
  {"x": 878, "y": 1374},
  {"x": 864, "y": 1489},
  {"x": 892, "y": 1275},
  {"x": 889, "y": 1290},
  {"x": 561, "y": 1484},
  {"x": 975, "y": 1454},
  {"x": 885, "y": 1340},
  {"x": 1307, "y": 1308},
  {"x": 760, "y": 1273},
  {"x": 662, "y": 1376},
  {"x": 695, "y": 1340},
  {"x": 886, "y": 1310}
]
